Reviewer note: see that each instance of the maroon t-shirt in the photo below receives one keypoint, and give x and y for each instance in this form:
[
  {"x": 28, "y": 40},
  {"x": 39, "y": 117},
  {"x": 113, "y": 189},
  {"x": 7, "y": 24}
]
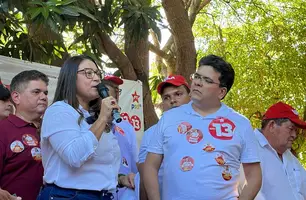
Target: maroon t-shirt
[{"x": 21, "y": 169}]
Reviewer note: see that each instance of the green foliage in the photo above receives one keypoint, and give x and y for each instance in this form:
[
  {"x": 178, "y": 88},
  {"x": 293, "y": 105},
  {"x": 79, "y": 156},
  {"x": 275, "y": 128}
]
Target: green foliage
[
  {"x": 265, "y": 43},
  {"x": 139, "y": 17},
  {"x": 48, "y": 31}
]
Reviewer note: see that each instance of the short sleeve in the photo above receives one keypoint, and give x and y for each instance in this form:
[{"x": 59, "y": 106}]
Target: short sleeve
[
  {"x": 157, "y": 141},
  {"x": 143, "y": 150},
  {"x": 249, "y": 145}
]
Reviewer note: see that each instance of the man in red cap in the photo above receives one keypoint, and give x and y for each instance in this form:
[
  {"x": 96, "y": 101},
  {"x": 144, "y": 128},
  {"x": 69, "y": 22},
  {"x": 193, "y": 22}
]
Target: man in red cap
[
  {"x": 126, "y": 137},
  {"x": 174, "y": 91},
  {"x": 283, "y": 177}
]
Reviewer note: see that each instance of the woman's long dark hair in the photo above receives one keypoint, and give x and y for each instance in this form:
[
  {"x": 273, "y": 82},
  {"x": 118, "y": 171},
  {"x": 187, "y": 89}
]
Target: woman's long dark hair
[{"x": 66, "y": 85}]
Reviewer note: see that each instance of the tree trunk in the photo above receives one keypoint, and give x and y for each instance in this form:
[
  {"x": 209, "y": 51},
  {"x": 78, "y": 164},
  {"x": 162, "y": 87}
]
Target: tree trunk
[
  {"x": 138, "y": 54},
  {"x": 183, "y": 38},
  {"x": 134, "y": 66}
]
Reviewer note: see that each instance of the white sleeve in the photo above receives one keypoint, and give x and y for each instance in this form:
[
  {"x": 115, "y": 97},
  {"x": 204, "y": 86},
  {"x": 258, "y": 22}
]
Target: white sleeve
[
  {"x": 157, "y": 141},
  {"x": 249, "y": 145},
  {"x": 134, "y": 150},
  {"x": 73, "y": 144},
  {"x": 144, "y": 145}
]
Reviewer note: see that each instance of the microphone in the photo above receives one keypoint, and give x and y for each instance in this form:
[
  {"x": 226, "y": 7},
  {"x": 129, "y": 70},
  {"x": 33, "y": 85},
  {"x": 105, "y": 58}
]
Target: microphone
[{"x": 103, "y": 93}]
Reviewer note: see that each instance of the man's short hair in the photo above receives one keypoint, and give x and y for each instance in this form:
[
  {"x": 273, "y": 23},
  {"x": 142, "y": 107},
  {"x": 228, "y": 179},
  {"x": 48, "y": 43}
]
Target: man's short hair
[
  {"x": 169, "y": 84},
  {"x": 278, "y": 121},
  {"x": 227, "y": 73},
  {"x": 21, "y": 80}
]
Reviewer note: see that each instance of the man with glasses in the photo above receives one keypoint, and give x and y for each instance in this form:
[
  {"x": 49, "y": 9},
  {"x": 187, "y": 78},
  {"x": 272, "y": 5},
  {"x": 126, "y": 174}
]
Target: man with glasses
[
  {"x": 203, "y": 143},
  {"x": 284, "y": 177}
]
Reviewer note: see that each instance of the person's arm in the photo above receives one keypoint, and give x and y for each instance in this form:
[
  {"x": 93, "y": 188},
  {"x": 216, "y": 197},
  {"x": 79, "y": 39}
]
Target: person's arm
[
  {"x": 253, "y": 178},
  {"x": 150, "y": 175},
  {"x": 250, "y": 161},
  {"x": 141, "y": 159}
]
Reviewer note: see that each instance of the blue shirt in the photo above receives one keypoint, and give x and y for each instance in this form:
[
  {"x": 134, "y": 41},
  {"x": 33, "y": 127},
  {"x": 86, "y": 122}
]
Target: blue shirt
[
  {"x": 71, "y": 154},
  {"x": 202, "y": 155},
  {"x": 126, "y": 137}
]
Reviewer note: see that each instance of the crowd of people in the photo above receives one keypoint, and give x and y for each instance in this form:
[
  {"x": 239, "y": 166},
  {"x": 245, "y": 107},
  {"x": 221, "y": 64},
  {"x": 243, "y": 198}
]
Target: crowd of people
[{"x": 201, "y": 149}]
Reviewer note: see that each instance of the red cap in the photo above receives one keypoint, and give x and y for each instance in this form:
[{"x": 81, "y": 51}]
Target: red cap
[
  {"x": 176, "y": 80},
  {"x": 7, "y": 86},
  {"x": 282, "y": 110},
  {"x": 114, "y": 79}
]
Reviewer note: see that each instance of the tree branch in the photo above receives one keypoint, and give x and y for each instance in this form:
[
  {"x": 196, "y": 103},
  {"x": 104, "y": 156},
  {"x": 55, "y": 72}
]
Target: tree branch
[
  {"x": 116, "y": 55},
  {"x": 202, "y": 5},
  {"x": 158, "y": 51}
]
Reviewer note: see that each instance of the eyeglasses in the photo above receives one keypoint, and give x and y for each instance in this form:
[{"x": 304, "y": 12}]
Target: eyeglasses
[
  {"x": 203, "y": 79},
  {"x": 90, "y": 73}
]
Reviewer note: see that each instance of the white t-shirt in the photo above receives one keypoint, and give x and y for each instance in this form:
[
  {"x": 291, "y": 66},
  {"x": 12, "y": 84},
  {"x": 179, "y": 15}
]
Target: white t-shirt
[
  {"x": 202, "y": 155},
  {"x": 143, "y": 151},
  {"x": 280, "y": 180}
]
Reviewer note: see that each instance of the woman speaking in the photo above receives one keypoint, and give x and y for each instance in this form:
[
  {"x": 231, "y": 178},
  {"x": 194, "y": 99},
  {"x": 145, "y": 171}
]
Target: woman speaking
[{"x": 81, "y": 161}]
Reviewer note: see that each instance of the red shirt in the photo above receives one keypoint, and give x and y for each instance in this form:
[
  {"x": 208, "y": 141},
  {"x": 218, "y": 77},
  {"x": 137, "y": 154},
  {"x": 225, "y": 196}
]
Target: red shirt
[{"x": 21, "y": 169}]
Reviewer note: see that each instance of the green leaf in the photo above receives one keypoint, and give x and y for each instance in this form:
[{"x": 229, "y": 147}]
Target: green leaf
[
  {"x": 83, "y": 11},
  {"x": 68, "y": 11},
  {"x": 34, "y": 12},
  {"x": 45, "y": 12},
  {"x": 52, "y": 25},
  {"x": 40, "y": 3},
  {"x": 56, "y": 10},
  {"x": 67, "y": 2}
]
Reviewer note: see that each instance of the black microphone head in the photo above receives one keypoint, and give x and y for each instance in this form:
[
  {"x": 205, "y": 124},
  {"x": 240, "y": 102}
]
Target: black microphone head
[{"x": 102, "y": 90}]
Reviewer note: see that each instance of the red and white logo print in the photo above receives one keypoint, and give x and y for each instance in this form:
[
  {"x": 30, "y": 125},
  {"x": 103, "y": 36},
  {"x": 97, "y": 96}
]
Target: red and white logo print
[
  {"x": 16, "y": 146},
  {"x": 184, "y": 127},
  {"x": 226, "y": 173},
  {"x": 119, "y": 130},
  {"x": 29, "y": 140},
  {"x": 209, "y": 147},
  {"x": 222, "y": 128},
  {"x": 36, "y": 153},
  {"x": 186, "y": 163},
  {"x": 194, "y": 136},
  {"x": 220, "y": 159}
]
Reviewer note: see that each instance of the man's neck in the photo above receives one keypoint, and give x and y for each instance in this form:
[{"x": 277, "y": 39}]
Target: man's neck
[
  {"x": 30, "y": 118},
  {"x": 278, "y": 150},
  {"x": 206, "y": 109}
]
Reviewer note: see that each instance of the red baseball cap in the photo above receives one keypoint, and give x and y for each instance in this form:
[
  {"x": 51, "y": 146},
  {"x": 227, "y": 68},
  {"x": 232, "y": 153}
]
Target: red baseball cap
[
  {"x": 282, "y": 110},
  {"x": 176, "y": 80},
  {"x": 7, "y": 86},
  {"x": 114, "y": 79}
]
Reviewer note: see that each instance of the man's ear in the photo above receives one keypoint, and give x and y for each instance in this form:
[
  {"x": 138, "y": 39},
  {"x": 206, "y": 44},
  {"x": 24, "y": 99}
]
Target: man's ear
[
  {"x": 271, "y": 126},
  {"x": 15, "y": 97},
  {"x": 223, "y": 92}
]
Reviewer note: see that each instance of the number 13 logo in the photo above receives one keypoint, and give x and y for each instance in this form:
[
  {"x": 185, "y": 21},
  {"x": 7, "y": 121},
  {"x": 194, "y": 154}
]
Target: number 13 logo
[{"x": 222, "y": 128}]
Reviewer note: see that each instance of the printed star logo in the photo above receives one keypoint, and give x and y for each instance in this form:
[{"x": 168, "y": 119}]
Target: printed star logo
[{"x": 135, "y": 97}]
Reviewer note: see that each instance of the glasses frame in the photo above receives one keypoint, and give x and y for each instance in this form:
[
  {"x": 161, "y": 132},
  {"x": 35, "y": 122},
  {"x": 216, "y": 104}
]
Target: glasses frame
[
  {"x": 204, "y": 79},
  {"x": 98, "y": 72}
]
